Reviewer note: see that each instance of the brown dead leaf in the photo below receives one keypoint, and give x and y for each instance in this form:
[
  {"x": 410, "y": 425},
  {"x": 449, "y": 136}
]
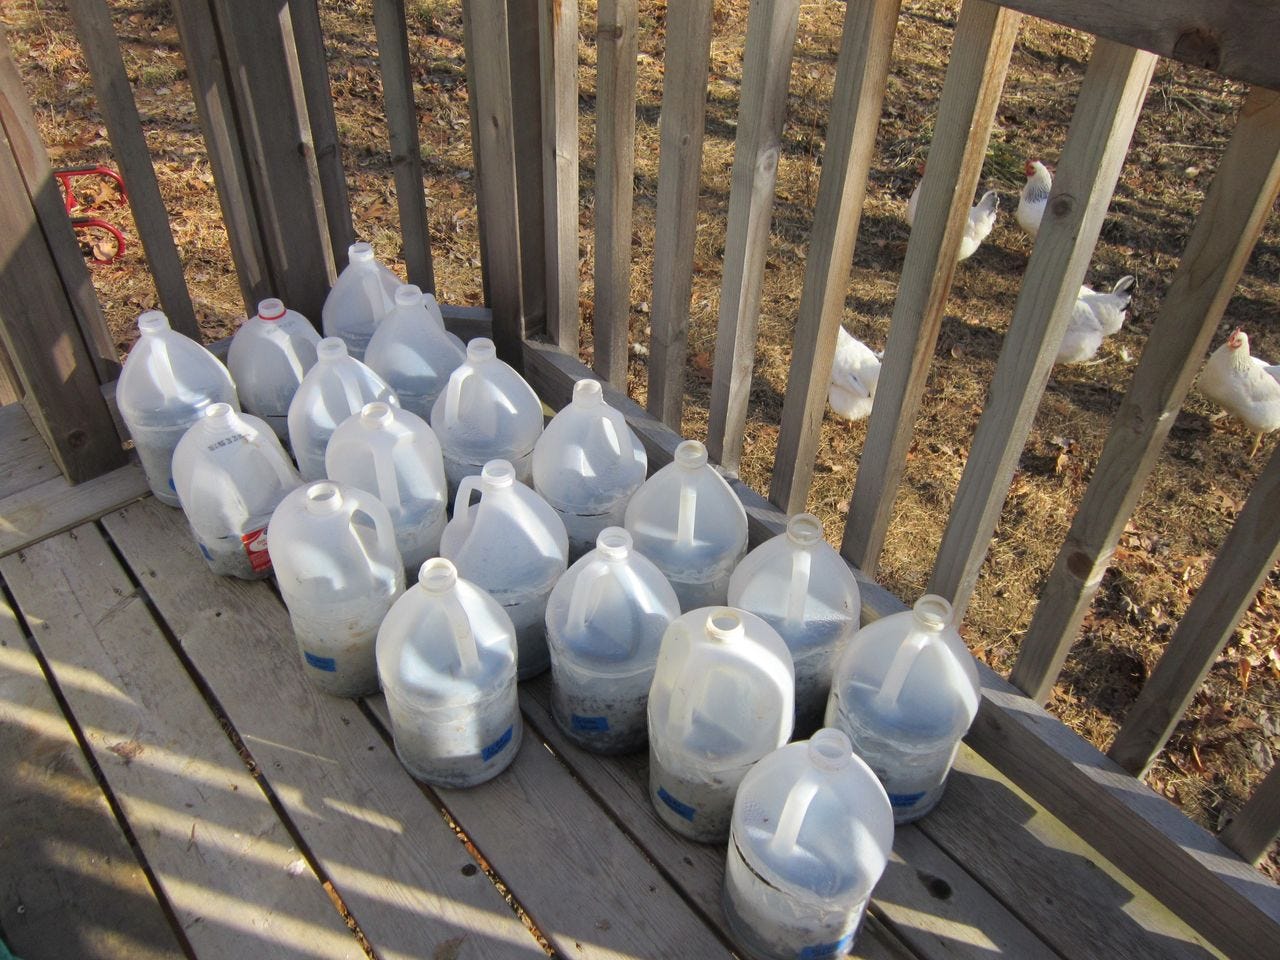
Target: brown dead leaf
[
  {"x": 1195, "y": 758},
  {"x": 126, "y": 750},
  {"x": 702, "y": 364},
  {"x": 1243, "y": 669}
]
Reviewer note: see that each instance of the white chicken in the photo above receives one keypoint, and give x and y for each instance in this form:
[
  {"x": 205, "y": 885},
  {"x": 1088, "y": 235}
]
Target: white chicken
[
  {"x": 855, "y": 371},
  {"x": 1034, "y": 198},
  {"x": 1093, "y": 317},
  {"x": 982, "y": 217},
  {"x": 1246, "y": 387},
  {"x": 1109, "y": 308}
]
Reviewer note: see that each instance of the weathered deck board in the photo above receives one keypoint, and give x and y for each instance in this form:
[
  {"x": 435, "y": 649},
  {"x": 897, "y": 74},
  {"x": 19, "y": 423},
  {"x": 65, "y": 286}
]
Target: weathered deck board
[
  {"x": 1050, "y": 878},
  {"x": 534, "y": 815},
  {"x": 60, "y": 845},
  {"x": 933, "y": 924},
  {"x": 226, "y": 862},
  {"x": 400, "y": 870},
  {"x": 26, "y": 458},
  {"x": 53, "y": 505}
]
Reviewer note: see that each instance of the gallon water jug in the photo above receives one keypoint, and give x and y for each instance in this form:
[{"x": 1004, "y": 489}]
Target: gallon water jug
[
  {"x": 723, "y": 696},
  {"x": 393, "y": 454},
  {"x": 230, "y": 473},
  {"x": 799, "y": 585},
  {"x": 905, "y": 691},
  {"x": 605, "y": 620},
  {"x": 687, "y": 521},
  {"x": 512, "y": 544},
  {"x": 486, "y": 412},
  {"x": 337, "y": 387},
  {"x": 413, "y": 352},
  {"x": 587, "y": 464},
  {"x": 812, "y": 831},
  {"x": 269, "y": 356},
  {"x": 335, "y": 557},
  {"x": 447, "y": 661},
  {"x": 362, "y": 295},
  {"x": 167, "y": 383}
]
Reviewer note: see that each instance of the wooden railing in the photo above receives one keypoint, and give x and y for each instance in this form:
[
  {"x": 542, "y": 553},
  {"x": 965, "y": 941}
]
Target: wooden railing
[{"x": 257, "y": 72}]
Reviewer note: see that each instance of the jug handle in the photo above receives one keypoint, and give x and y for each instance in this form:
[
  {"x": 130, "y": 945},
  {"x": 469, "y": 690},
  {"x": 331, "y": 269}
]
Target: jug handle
[
  {"x": 464, "y": 638},
  {"x": 793, "y": 813},
  {"x": 371, "y": 284},
  {"x": 614, "y": 430},
  {"x": 798, "y": 588},
  {"x": 453, "y": 393},
  {"x": 163, "y": 366},
  {"x": 784, "y": 680},
  {"x": 900, "y": 667},
  {"x": 350, "y": 389},
  {"x": 382, "y": 527},
  {"x": 462, "y": 499},
  {"x": 385, "y": 474},
  {"x": 587, "y": 593},
  {"x": 687, "y": 506},
  {"x": 285, "y": 473}
]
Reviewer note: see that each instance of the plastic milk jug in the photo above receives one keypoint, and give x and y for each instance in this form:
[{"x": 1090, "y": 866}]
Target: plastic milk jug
[
  {"x": 447, "y": 661},
  {"x": 269, "y": 356},
  {"x": 800, "y": 586},
  {"x": 230, "y": 473},
  {"x": 605, "y": 619},
  {"x": 512, "y": 544},
  {"x": 687, "y": 521},
  {"x": 811, "y": 834},
  {"x": 335, "y": 557},
  {"x": 905, "y": 691},
  {"x": 394, "y": 455},
  {"x": 413, "y": 352},
  {"x": 723, "y": 696},
  {"x": 337, "y": 387},
  {"x": 167, "y": 383},
  {"x": 587, "y": 464},
  {"x": 361, "y": 296},
  {"x": 486, "y": 412}
]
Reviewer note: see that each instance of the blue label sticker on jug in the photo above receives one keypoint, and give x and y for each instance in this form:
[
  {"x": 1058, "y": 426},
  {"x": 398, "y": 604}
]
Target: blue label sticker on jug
[
  {"x": 328, "y": 664},
  {"x": 905, "y": 799},
  {"x": 681, "y": 809},
  {"x": 827, "y": 951},
  {"x": 588, "y": 724},
  {"x": 493, "y": 749}
]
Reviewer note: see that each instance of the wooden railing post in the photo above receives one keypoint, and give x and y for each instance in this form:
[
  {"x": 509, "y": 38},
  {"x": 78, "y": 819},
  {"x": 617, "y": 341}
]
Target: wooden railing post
[
  {"x": 862, "y": 70},
  {"x": 524, "y": 55},
  {"x": 1234, "y": 212},
  {"x": 558, "y": 53},
  {"x": 615, "y": 172},
  {"x": 1257, "y": 825},
  {"x": 1111, "y": 97},
  {"x": 40, "y": 327},
  {"x": 966, "y": 111},
  {"x": 684, "y": 106},
  {"x": 766, "y": 70}
]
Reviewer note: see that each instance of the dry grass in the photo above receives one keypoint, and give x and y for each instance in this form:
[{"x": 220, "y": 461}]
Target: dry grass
[{"x": 1226, "y": 743}]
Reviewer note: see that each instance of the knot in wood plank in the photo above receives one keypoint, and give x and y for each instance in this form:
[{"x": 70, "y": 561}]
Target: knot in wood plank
[{"x": 1198, "y": 46}]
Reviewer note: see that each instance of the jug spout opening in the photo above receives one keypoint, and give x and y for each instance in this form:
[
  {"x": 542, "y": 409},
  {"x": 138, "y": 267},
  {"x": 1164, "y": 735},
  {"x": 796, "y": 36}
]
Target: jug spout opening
[
  {"x": 933, "y": 612},
  {"x": 360, "y": 252},
  {"x": 588, "y": 393},
  {"x": 614, "y": 543},
  {"x": 376, "y": 415},
  {"x": 691, "y": 454},
  {"x": 331, "y": 348},
  {"x": 830, "y": 749},
  {"x": 438, "y": 575},
  {"x": 152, "y": 321},
  {"x": 498, "y": 473},
  {"x": 804, "y": 530},
  {"x": 408, "y": 295},
  {"x": 481, "y": 349},
  {"x": 219, "y": 413},
  {"x": 270, "y": 309},
  {"x": 724, "y": 625},
  {"x": 323, "y": 498}
]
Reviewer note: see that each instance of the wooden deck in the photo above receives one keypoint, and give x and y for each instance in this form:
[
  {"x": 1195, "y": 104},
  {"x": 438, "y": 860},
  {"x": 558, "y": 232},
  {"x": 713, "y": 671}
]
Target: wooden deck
[{"x": 175, "y": 787}]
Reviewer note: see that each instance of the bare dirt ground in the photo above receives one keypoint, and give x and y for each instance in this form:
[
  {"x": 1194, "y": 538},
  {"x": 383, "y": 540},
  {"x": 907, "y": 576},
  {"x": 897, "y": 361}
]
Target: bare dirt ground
[{"x": 1229, "y": 738}]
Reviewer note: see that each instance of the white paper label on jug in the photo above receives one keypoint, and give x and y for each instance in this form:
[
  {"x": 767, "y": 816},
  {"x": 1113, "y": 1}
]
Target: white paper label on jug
[
  {"x": 255, "y": 548},
  {"x": 327, "y": 664},
  {"x": 679, "y": 808},
  {"x": 589, "y": 724},
  {"x": 493, "y": 749}
]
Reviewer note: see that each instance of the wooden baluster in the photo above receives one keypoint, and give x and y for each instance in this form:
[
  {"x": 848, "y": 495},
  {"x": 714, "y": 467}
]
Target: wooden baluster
[
  {"x": 862, "y": 70},
  {"x": 1101, "y": 127},
  {"x": 558, "y": 47},
  {"x": 1234, "y": 213},
  {"x": 766, "y": 69}
]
